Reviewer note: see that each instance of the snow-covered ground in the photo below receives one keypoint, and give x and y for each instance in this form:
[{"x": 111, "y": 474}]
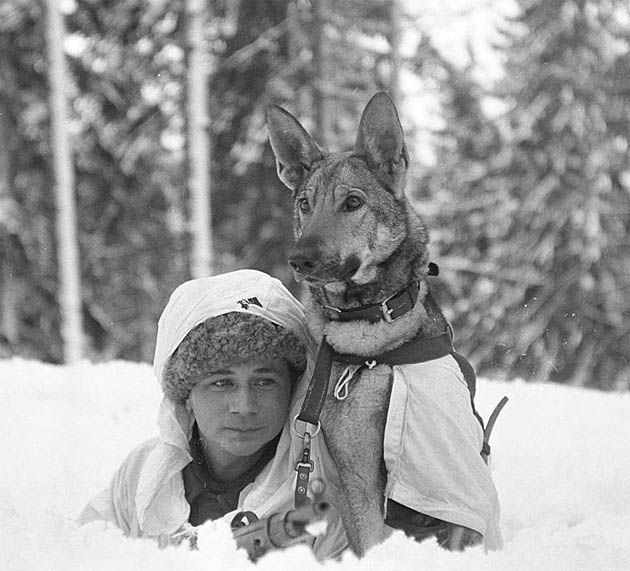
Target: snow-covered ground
[{"x": 561, "y": 464}]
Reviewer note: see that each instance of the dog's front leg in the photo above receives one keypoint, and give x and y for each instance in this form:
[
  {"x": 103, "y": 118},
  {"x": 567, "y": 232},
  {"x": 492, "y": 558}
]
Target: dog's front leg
[{"x": 354, "y": 430}]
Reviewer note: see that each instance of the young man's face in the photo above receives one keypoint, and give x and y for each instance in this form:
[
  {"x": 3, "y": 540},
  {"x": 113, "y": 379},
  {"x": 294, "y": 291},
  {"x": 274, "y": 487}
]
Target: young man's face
[{"x": 240, "y": 408}]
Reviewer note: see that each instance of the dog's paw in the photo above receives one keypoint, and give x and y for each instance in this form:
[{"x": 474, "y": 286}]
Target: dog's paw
[{"x": 457, "y": 538}]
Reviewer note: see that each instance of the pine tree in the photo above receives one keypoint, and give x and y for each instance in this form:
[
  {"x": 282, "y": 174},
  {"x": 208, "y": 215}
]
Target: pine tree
[
  {"x": 461, "y": 197},
  {"x": 273, "y": 52},
  {"x": 552, "y": 240},
  {"x": 129, "y": 70},
  {"x": 127, "y": 61},
  {"x": 26, "y": 225}
]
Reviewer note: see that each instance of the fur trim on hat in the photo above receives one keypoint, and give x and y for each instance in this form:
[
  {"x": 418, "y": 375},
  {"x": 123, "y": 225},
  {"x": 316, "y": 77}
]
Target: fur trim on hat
[{"x": 228, "y": 339}]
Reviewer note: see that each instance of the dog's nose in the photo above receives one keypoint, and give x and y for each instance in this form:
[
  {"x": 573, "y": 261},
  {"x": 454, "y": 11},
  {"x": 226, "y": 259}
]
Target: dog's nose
[
  {"x": 302, "y": 263},
  {"x": 305, "y": 255}
]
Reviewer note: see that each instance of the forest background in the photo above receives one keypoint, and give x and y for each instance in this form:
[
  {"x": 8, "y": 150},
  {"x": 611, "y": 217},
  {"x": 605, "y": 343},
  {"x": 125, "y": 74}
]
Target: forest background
[{"x": 522, "y": 178}]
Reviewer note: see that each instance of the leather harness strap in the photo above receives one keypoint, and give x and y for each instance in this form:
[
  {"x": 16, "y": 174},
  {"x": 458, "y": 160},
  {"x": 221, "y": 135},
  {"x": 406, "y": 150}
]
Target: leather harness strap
[
  {"x": 318, "y": 387},
  {"x": 418, "y": 350}
]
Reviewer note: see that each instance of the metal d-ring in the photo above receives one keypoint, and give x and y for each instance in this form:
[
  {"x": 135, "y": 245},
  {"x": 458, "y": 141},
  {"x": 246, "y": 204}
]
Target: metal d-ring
[{"x": 317, "y": 426}]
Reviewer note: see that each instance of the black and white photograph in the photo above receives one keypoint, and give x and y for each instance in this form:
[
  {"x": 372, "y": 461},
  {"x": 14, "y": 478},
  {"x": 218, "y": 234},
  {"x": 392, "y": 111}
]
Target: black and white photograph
[{"x": 315, "y": 284}]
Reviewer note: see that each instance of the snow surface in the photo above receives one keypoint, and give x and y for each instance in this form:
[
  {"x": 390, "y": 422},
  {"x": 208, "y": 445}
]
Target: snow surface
[{"x": 561, "y": 464}]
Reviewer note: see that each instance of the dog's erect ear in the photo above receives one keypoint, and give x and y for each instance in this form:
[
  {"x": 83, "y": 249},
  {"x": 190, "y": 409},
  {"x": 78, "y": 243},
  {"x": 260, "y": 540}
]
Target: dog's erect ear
[
  {"x": 381, "y": 143},
  {"x": 293, "y": 147}
]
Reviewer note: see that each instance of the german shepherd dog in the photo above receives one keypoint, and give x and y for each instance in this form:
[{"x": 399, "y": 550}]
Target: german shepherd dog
[{"x": 359, "y": 242}]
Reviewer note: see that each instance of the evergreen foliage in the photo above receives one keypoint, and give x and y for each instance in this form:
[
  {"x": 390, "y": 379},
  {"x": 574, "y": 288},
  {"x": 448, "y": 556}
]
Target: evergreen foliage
[
  {"x": 129, "y": 154},
  {"x": 26, "y": 231},
  {"x": 539, "y": 208},
  {"x": 529, "y": 208},
  {"x": 127, "y": 60}
]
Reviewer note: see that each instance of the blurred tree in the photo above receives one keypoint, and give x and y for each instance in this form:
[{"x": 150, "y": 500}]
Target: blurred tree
[
  {"x": 251, "y": 214},
  {"x": 394, "y": 37},
  {"x": 29, "y": 316},
  {"x": 321, "y": 76},
  {"x": 198, "y": 143},
  {"x": 359, "y": 45},
  {"x": 129, "y": 66},
  {"x": 462, "y": 197},
  {"x": 128, "y": 124},
  {"x": 545, "y": 215},
  {"x": 8, "y": 283},
  {"x": 69, "y": 283},
  {"x": 281, "y": 51},
  {"x": 9, "y": 244}
]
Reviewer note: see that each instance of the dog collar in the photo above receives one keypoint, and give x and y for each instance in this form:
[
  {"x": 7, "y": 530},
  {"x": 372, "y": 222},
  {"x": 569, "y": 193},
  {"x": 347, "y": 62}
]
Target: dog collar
[
  {"x": 388, "y": 310},
  {"x": 391, "y": 308}
]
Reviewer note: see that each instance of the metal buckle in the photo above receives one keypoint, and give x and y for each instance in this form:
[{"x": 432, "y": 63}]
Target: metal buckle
[
  {"x": 242, "y": 519},
  {"x": 310, "y": 465},
  {"x": 386, "y": 311},
  {"x": 318, "y": 427},
  {"x": 335, "y": 311}
]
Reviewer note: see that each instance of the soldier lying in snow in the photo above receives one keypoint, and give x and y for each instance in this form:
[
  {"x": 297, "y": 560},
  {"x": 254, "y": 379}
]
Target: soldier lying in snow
[{"x": 230, "y": 353}]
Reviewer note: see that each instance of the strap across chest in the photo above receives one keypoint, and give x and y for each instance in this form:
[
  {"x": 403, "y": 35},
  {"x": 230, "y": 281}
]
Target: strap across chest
[{"x": 417, "y": 350}]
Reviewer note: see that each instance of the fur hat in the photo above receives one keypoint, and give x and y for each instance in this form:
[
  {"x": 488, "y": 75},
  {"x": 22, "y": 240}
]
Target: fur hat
[{"x": 224, "y": 340}]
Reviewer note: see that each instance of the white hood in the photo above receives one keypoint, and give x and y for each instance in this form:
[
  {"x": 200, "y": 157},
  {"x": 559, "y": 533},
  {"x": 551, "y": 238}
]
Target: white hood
[{"x": 246, "y": 291}]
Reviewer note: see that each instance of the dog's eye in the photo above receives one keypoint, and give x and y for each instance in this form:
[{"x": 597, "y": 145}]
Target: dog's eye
[
  {"x": 304, "y": 206},
  {"x": 352, "y": 202}
]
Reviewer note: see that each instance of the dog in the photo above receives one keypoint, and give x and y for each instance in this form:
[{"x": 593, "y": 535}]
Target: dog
[{"x": 359, "y": 243}]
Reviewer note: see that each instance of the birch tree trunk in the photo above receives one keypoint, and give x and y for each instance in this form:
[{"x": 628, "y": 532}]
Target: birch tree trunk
[
  {"x": 198, "y": 142},
  {"x": 66, "y": 231},
  {"x": 9, "y": 286}
]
